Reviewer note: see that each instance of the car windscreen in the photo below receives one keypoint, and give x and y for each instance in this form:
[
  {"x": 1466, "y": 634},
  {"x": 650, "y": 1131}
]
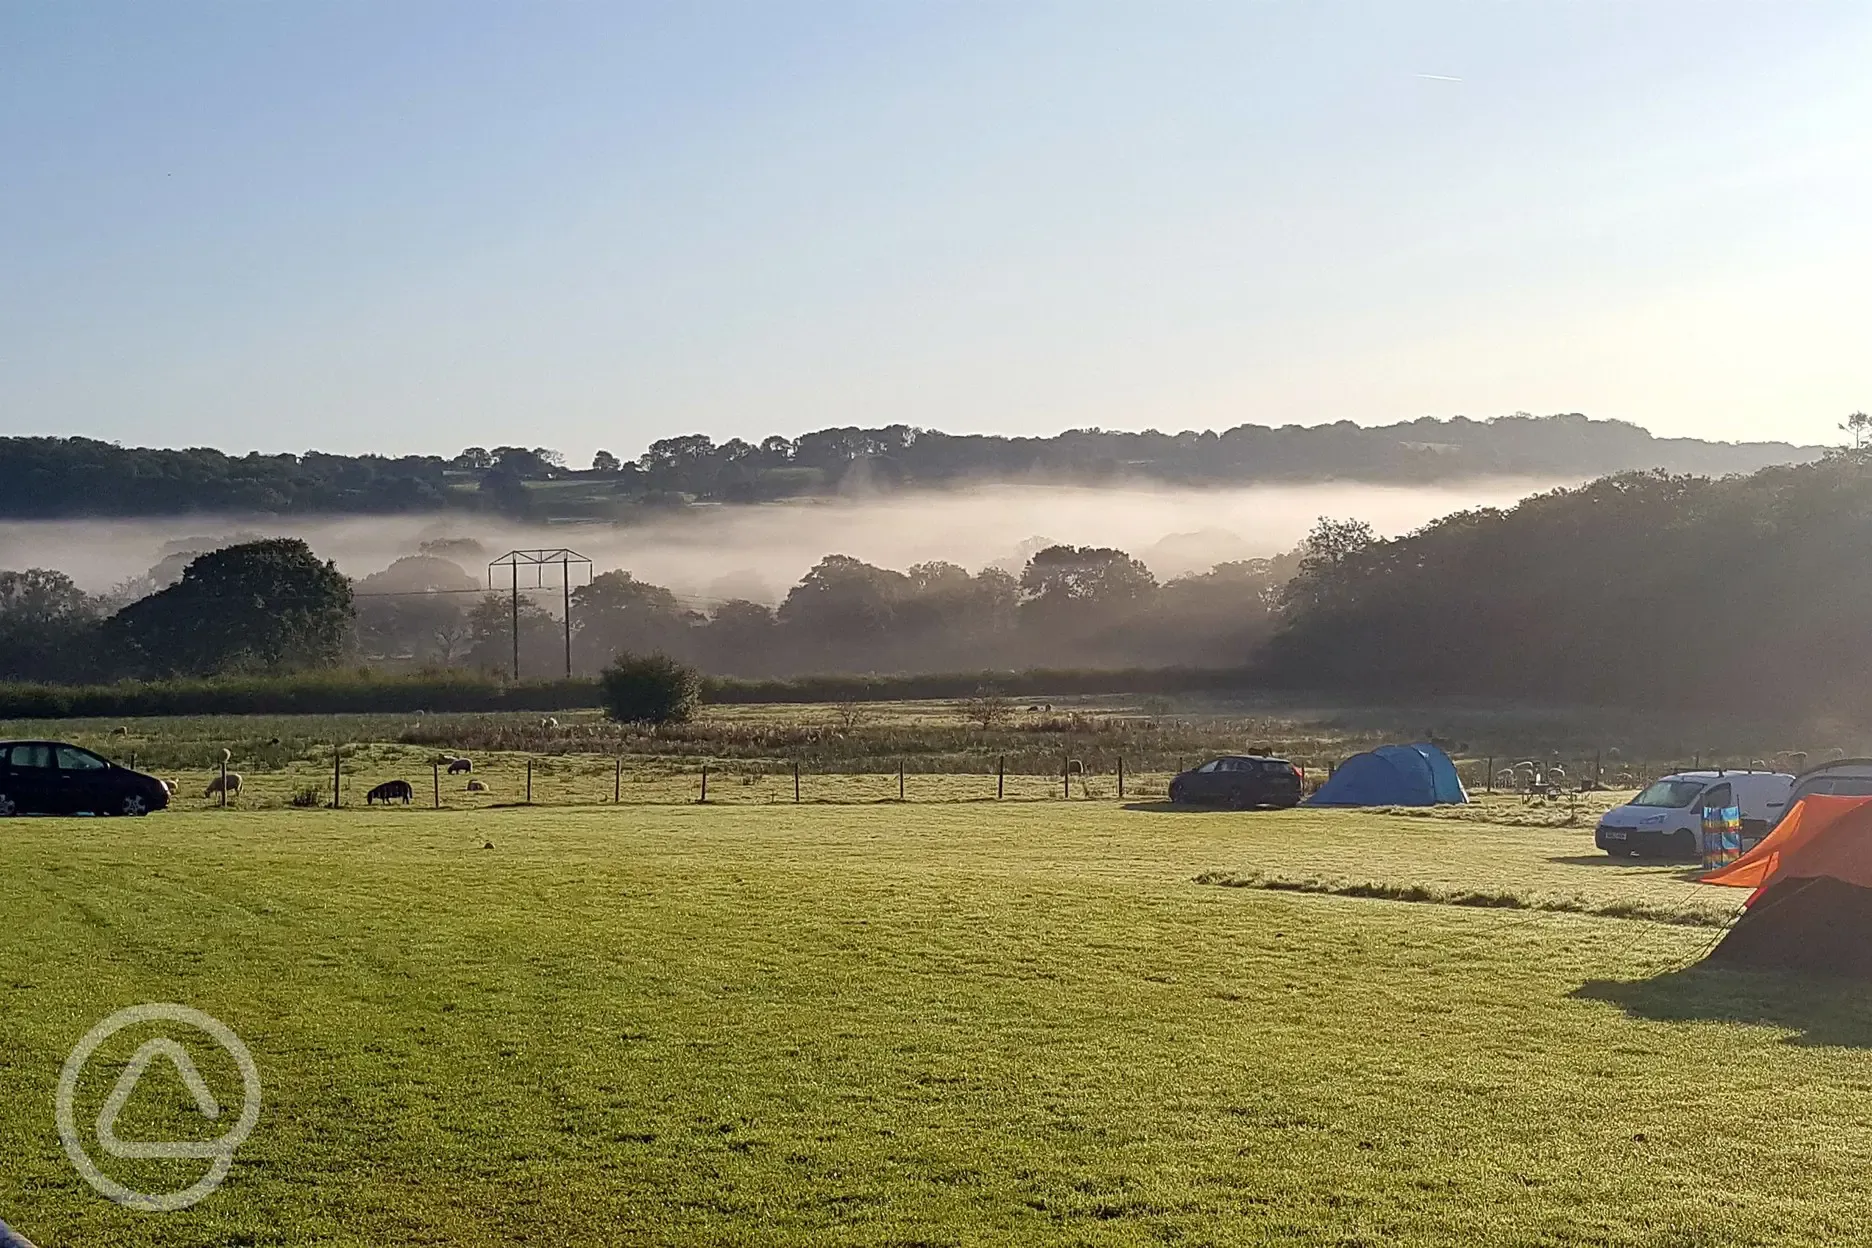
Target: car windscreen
[{"x": 1669, "y": 794}]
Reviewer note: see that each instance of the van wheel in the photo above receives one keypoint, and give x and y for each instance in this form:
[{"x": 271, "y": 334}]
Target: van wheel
[
  {"x": 7, "y": 808},
  {"x": 1681, "y": 844}
]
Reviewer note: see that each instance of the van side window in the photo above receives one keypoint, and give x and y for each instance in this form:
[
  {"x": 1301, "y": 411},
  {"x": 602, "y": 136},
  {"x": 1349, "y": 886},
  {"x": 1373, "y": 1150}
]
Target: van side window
[{"x": 1718, "y": 796}]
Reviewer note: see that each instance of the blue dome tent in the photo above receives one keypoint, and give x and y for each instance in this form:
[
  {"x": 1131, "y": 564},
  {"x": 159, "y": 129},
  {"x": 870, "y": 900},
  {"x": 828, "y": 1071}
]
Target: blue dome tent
[{"x": 1393, "y": 775}]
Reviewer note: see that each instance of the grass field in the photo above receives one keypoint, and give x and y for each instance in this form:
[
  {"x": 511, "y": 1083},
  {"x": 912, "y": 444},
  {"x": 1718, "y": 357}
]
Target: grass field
[{"x": 959, "y": 1024}]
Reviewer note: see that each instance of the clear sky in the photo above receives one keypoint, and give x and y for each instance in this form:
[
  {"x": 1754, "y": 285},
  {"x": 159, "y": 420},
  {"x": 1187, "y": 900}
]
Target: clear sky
[{"x": 415, "y": 226}]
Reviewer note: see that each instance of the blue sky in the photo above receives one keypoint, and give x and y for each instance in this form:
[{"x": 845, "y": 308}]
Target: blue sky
[{"x": 417, "y": 226}]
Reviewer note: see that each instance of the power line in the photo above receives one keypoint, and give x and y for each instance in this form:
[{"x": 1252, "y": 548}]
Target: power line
[{"x": 685, "y": 599}]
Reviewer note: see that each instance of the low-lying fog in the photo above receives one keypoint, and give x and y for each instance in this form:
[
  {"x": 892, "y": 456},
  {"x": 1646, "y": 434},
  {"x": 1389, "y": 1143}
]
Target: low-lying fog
[{"x": 711, "y": 553}]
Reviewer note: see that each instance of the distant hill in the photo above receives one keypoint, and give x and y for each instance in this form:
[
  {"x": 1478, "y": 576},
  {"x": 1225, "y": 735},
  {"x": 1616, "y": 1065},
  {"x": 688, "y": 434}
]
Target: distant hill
[{"x": 43, "y": 478}]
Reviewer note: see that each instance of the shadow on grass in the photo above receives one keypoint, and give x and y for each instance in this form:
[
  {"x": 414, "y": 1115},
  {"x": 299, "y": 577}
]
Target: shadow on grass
[
  {"x": 1820, "y": 1010},
  {"x": 1682, "y": 868},
  {"x": 1191, "y": 808}
]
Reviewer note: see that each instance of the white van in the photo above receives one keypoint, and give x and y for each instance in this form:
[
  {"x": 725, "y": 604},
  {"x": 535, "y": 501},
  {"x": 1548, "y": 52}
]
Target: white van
[{"x": 1667, "y": 817}]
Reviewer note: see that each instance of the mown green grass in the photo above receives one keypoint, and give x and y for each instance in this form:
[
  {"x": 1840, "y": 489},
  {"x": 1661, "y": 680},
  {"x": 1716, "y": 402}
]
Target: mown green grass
[{"x": 921, "y": 1025}]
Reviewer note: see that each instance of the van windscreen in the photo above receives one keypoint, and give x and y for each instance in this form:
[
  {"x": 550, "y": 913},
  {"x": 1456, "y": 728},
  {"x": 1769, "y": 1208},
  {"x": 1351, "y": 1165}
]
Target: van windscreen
[{"x": 1671, "y": 794}]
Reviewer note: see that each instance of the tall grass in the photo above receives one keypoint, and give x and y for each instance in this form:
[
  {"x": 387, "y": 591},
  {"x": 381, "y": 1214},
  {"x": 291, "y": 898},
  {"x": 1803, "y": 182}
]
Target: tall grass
[
  {"x": 361, "y": 692},
  {"x": 308, "y": 693}
]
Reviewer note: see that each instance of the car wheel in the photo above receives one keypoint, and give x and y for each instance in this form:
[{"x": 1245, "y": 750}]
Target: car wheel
[
  {"x": 7, "y": 807},
  {"x": 134, "y": 805}
]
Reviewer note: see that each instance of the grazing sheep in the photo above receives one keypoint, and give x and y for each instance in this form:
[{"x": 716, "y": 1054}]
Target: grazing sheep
[
  {"x": 390, "y": 791},
  {"x": 549, "y": 722},
  {"x": 120, "y": 731},
  {"x": 1074, "y": 767},
  {"x": 233, "y": 784},
  {"x": 476, "y": 786},
  {"x": 458, "y": 765},
  {"x": 227, "y": 756},
  {"x": 170, "y": 787}
]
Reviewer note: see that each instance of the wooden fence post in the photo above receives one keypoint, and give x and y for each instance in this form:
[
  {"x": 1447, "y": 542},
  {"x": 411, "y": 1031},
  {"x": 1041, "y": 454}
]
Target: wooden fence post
[
  {"x": 1000, "y": 776},
  {"x": 1489, "y": 780},
  {"x": 704, "y": 782},
  {"x": 1121, "y": 777},
  {"x": 900, "y": 782},
  {"x": 529, "y": 796},
  {"x": 435, "y": 779},
  {"x": 337, "y": 772},
  {"x": 224, "y": 762},
  {"x": 1066, "y": 777},
  {"x": 617, "y": 782},
  {"x": 796, "y": 782}
]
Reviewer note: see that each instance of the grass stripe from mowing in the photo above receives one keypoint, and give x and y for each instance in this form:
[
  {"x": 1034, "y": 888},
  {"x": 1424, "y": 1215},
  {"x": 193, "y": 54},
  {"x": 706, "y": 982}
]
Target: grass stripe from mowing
[{"x": 1493, "y": 899}]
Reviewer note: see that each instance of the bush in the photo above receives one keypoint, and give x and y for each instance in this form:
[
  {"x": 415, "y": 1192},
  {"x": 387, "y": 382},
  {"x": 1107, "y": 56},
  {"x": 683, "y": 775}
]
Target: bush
[{"x": 649, "y": 689}]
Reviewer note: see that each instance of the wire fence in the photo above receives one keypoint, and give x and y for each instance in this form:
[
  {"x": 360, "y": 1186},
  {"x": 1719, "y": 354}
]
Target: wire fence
[
  {"x": 362, "y": 776},
  {"x": 374, "y": 774}
]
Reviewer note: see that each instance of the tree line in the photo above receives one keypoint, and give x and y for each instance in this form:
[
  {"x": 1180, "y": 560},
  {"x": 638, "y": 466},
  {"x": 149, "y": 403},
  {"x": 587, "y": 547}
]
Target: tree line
[
  {"x": 272, "y": 606},
  {"x": 1738, "y": 594},
  {"x": 1643, "y": 588},
  {"x": 44, "y": 477}
]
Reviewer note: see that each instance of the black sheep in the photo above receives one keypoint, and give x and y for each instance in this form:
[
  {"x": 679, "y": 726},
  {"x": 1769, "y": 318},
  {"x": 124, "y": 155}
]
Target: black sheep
[{"x": 389, "y": 791}]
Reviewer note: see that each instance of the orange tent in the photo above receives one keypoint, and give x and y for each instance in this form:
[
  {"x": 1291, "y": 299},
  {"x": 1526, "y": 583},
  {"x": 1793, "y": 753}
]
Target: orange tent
[
  {"x": 1812, "y": 905},
  {"x": 1822, "y": 837}
]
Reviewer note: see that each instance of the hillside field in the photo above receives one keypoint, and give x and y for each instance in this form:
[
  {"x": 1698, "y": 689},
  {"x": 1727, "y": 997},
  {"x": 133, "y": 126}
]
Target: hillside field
[{"x": 924, "y": 1024}]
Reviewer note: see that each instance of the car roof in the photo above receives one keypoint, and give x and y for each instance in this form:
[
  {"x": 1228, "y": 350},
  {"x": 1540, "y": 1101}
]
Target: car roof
[
  {"x": 1847, "y": 765},
  {"x": 1728, "y": 773}
]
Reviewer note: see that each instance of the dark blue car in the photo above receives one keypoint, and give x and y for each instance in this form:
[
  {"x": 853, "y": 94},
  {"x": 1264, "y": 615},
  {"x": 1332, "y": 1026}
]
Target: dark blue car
[
  {"x": 1239, "y": 780},
  {"x": 54, "y": 778}
]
